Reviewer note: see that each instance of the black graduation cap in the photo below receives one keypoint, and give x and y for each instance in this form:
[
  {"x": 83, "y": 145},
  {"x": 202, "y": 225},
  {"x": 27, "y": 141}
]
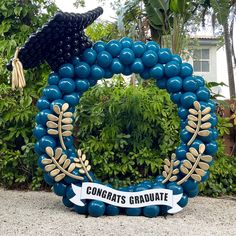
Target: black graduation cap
[{"x": 58, "y": 41}]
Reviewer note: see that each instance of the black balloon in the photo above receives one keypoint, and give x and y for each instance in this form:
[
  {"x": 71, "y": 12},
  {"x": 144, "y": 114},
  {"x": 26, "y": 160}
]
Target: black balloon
[{"x": 58, "y": 41}]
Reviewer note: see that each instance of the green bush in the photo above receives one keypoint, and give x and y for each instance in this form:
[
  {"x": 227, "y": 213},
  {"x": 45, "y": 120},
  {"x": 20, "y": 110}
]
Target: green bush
[{"x": 127, "y": 131}]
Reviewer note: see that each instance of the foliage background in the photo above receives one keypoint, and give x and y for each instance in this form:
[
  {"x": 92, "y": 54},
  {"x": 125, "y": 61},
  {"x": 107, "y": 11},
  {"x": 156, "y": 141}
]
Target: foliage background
[{"x": 130, "y": 129}]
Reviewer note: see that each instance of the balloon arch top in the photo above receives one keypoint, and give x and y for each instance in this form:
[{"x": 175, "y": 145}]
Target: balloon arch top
[{"x": 78, "y": 65}]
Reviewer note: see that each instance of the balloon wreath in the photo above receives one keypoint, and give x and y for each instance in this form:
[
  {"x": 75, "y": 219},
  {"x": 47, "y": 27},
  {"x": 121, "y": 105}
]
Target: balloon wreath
[{"x": 67, "y": 168}]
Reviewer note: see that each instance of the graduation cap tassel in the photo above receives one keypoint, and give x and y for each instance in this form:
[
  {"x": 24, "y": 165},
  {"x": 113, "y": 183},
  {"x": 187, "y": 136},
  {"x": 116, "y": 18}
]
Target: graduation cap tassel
[{"x": 18, "y": 78}]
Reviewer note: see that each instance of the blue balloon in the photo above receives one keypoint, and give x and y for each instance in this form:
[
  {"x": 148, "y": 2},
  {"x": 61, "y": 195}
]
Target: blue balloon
[
  {"x": 72, "y": 99},
  {"x": 104, "y": 59},
  {"x": 75, "y": 61},
  {"x": 196, "y": 143},
  {"x": 151, "y": 211},
  {"x": 112, "y": 210},
  {"x": 42, "y": 117},
  {"x": 177, "y": 189},
  {"x": 116, "y": 66},
  {"x": 157, "y": 71},
  {"x": 53, "y": 79},
  {"x": 211, "y": 148},
  {"x": 145, "y": 74},
  {"x": 213, "y": 120},
  {"x": 48, "y": 179},
  {"x": 59, "y": 189},
  {"x": 203, "y": 94},
  {"x": 37, "y": 149},
  {"x": 150, "y": 58},
  {"x": 114, "y": 47},
  {"x": 52, "y": 92},
  {"x": 39, "y": 161},
  {"x": 96, "y": 208},
  {"x": 108, "y": 74},
  {"x": 99, "y": 46},
  {"x": 82, "y": 70},
  {"x": 183, "y": 113},
  {"x": 175, "y": 97},
  {"x": 89, "y": 56},
  {"x": 215, "y": 134},
  {"x": 199, "y": 80},
  {"x": 58, "y": 102},
  {"x": 183, "y": 201},
  {"x": 82, "y": 85},
  {"x": 158, "y": 185},
  {"x": 127, "y": 56},
  {"x": 137, "y": 66},
  {"x": 161, "y": 83},
  {"x": 181, "y": 151},
  {"x": 186, "y": 69},
  {"x": 185, "y": 135},
  {"x": 67, "y": 202},
  {"x": 172, "y": 68},
  {"x": 139, "y": 48},
  {"x": 43, "y": 103},
  {"x": 177, "y": 58},
  {"x": 133, "y": 211},
  {"x": 47, "y": 141},
  {"x": 159, "y": 178},
  {"x": 66, "y": 71},
  {"x": 126, "y": 42},
  {"x": 190, "y": 84},
  {"x": 190, "y": 185},
  {"x": 193, "y": 193},
  {"x": 66, "y": 85},
  {"x": 174, "y": 84},
  {"x": 39, "y": 131},
  {"x": 81, "y": 209},
  {"x": 187, "y": 99},
  {"x": 164, "y": 55},
  {"x": 206, "y": 176},
  {"x": 97, "y": 72},
  {"x": 152, "y": 45}
]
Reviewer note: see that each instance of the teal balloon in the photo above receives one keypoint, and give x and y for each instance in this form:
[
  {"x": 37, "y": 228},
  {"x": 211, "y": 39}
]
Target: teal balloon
[
  {"x": 150, "y": 58},
  {"x": 104, "y": 59},
  {"x": 211, "y": 148},
  {"x": 58, "y": 102},
  {"x": 48, "y": 179},
  {"x": 75, "y": 61},
  {"x": 114, "y": 47},
  {"x": 96, "y": 208},
  {"x": 174, "y": 84},
  {"x": 126, "y": 42},
  {"x": 161, "y": 83},
  {"x": 97, "y": 72},
  {"x": 126, "y": 56},
  {"x": 83, "y": 210},
  {"x": 203, "y": 94},
  {"x": 42, "y": 117},
  {"x": 159, "y": 178},
  {"x": 72, "y": 99},
  {"x": 151, "y": 211},
  {"x": 37, "y": 149},
  {"x": 196, "y": 143},
  {"x": 52, "y": 92},
  {"x": 164, "y": 55},
  {"x": 185, "y": 136},
  {"x": 157, "y": 71},
  {"x": 116, "y": 66},
  {"x": 39, "y": 131},
  {"x": 158, "y": 185},
  {"x": 89, "y": 56},
  {"x": 67, "y": 71},
  {"x": 172, "y": 68},
  {"x": 177, "y": 189},
  {"x": 82, "y": 85},
  {"x": 59, "y": 189},
  {"x": 112, "y": 210},
  {"x": 39, "y": 161},
  {"x": 192, "y": 194},
  {"x": 82, "y": 70},
  {"x": 183, "y": 113},
  {"x": 175, "y": 97},
  {"x": 190, "y": 84},
  {"x": 47, "y": 141},
  {"x": 67, "y": 202},
  {"x": 152, "y": 45},
  {"x": 139, "y": 48},
  {"x": 99, "y": 46},
  {"x": 177, "y": 58},
  {"x": 187, "y": 99},
  {"x": 133, "y": 211},
  {"x": 199, "y": 80},
  {"x": 213, "y": 120},
  {"x": 66, "y": 85},
  {"x": 53, "y": 79},
  {"x": 190, "y": 185},
  {"x": 183, "y": 201},
  {"x": 137, "y": 66},
  {"x": 145, "y": 74},
  {"x": 43, "y": 103},
  {"x": 186, "y": 70},
  {"x": 181, "y": 151}
]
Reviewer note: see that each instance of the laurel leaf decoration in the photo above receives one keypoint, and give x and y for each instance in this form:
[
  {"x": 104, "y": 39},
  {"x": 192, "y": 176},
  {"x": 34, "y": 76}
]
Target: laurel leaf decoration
[
  {"x": 60, "y": 123},
  {"x": 198, "y": 122},
  {"x": 83, "y": 164},
  {"x": 195, "y": 165},
  {"x": 171, "y": 169},
  {"x": 58, "y": 165}
]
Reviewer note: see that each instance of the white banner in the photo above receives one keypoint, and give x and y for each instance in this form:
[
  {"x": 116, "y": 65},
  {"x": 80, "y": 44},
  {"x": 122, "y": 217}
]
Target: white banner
[{"x": 118, "y": 198}]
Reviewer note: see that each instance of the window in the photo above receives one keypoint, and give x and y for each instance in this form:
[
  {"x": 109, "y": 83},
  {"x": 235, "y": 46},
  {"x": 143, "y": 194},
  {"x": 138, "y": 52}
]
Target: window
[{"x": 201, "y": 60}]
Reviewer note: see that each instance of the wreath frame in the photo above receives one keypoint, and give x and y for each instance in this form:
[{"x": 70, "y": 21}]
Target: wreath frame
[{"x": 63, "y": 165}]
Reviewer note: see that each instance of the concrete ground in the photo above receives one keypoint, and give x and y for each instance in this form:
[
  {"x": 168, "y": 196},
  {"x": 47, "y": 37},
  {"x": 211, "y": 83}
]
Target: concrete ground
[{"x": 42, "y": 213}]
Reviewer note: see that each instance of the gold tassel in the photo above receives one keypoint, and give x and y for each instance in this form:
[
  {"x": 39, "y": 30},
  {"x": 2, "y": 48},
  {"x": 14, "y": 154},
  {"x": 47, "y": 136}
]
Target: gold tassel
[{"x": 18, "y": 78}]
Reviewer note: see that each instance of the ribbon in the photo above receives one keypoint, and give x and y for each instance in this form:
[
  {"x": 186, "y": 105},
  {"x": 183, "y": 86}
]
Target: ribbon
[{"x": 94, "y": 191}]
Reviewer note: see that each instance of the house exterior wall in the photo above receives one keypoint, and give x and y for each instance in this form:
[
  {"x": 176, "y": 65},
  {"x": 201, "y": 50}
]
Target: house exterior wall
[{"x": 210, "y": 76}]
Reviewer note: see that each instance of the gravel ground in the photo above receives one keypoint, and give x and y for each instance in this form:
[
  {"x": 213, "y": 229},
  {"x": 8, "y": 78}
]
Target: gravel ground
[{"x": 42, "y": 213}]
